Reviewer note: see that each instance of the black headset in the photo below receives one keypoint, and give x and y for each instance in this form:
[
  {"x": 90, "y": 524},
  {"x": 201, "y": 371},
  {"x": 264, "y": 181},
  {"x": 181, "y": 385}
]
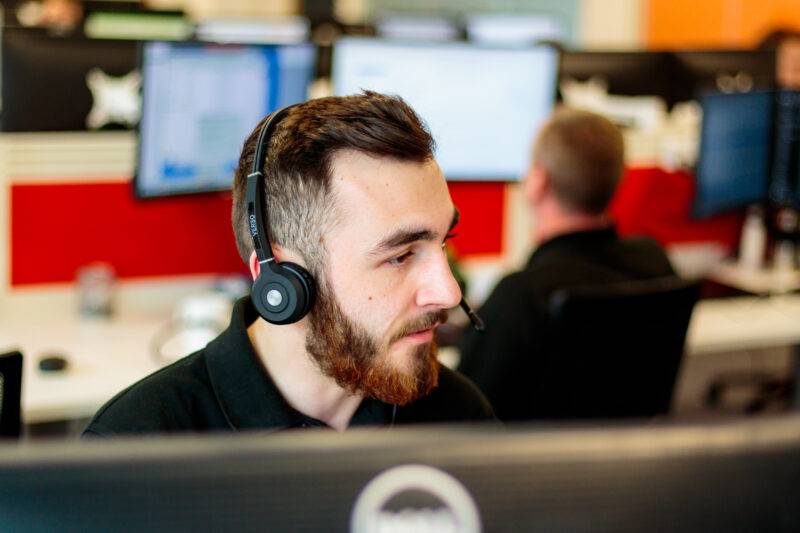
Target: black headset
[{"x": 283, "y": 293}]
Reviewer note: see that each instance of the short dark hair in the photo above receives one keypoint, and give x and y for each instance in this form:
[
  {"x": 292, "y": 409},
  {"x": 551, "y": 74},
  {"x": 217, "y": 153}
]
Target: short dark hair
[
  {"x": 582, "y": 154},
  {"x": 300, "y": 207},
  {"x": 773, "y": 39}
]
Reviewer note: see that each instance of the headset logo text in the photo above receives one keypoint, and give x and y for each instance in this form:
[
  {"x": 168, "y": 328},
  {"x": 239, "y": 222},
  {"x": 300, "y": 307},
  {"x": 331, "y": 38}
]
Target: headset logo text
[{"x": 253, "y": 226}]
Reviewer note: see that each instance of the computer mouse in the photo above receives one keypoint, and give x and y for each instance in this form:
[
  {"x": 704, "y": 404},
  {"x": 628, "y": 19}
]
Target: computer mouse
[{"x": 53, "y": 363}]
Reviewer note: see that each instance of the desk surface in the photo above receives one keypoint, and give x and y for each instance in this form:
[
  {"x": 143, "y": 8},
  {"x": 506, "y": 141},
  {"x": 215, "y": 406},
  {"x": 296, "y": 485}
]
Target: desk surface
[
  {"x": 105, "y": 356},
  {"x": 742, "y": 323},
  {"x": 108, "y": 355},
  {"x": 766, "y": 280}
]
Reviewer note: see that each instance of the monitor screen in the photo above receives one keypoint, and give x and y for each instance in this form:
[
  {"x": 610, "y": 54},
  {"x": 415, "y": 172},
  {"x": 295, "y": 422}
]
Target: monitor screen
[
  {"x": 482, "y": 104},
  {"x": 47, "y": 81},
  {"x": 735, "y": 151},
  {"x": 201, "y": 100},
  {"x": 726, "y": 476}
]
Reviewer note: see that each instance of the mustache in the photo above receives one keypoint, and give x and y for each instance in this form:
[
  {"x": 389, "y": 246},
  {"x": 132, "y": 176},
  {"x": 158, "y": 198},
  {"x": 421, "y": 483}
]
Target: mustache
[{"x": 425, "y": 321}]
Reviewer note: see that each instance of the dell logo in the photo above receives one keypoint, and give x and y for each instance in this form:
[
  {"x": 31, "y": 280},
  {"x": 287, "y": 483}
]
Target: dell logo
[{"x": 418, "y": 498}]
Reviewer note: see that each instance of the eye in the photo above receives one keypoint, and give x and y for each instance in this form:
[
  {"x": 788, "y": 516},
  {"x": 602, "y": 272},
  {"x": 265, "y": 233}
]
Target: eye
[{"x": 400, "y": 259}]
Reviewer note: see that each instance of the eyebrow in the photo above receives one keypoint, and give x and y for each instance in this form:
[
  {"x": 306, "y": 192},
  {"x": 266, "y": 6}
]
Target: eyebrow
[{"x": 403, "y": 237}]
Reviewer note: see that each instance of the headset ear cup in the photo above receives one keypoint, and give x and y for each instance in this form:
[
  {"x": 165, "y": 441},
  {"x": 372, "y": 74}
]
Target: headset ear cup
[
  {"x": 283, "y": 293},
  {"x": 306, "y": 287}
]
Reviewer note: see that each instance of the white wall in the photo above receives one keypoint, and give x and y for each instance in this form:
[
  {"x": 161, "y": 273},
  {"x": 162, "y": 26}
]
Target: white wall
[{"x": 612, "y": 24}]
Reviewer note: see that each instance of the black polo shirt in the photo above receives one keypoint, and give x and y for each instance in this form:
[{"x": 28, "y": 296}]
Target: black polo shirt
[{"x": 224, "y": 387}]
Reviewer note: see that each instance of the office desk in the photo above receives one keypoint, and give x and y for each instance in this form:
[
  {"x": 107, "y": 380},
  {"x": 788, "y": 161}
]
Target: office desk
[
  {"x": 108, "y": 355},
  {"x": 747, "y": 323},
  {"x": 763, "y": 281},
  {"x": 105, "y": 356},
  {"x": 743, "y": 323}
]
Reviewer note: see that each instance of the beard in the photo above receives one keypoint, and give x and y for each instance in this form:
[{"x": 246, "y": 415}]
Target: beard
[{"x": 359, "y": 363}]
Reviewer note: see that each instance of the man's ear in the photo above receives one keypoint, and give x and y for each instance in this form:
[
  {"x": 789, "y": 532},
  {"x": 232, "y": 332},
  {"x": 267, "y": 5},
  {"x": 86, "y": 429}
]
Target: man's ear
[
  {"x": 255, "y": 268},
  {"x": 281, "y": 254},
  {"x": 535, "y": 184}
]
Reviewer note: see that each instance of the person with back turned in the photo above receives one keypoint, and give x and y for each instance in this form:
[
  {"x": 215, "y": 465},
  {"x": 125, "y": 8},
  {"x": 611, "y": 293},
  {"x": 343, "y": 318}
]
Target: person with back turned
[{"x": 577, "y": 162}]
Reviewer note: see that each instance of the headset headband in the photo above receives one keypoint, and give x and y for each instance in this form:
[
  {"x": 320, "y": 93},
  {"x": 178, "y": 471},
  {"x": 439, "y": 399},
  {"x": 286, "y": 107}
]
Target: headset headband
[{"x": 256, "y": 196}]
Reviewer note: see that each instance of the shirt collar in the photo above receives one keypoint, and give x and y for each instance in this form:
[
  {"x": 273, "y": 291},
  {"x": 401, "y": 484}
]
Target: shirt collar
[
  {"x": 579, "y": 239},
  {"x": 245, "y": 392}
]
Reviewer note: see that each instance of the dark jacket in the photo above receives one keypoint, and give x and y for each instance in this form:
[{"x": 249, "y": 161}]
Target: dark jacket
[{"x": 503, "y": 361}]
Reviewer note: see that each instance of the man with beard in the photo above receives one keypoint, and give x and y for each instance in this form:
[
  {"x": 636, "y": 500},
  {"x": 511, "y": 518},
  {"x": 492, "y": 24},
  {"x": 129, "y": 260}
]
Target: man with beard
[{"x": 353, "y": 196}]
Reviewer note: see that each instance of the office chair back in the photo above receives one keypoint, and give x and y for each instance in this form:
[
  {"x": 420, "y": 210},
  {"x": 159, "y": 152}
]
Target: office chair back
[
  {"x": 10, "y": 392},
  {"x": 615, "y": 350}
]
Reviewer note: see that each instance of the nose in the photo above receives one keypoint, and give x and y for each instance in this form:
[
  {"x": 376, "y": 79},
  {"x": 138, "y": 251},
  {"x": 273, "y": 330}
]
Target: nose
[{"x": 438, "y": 288}]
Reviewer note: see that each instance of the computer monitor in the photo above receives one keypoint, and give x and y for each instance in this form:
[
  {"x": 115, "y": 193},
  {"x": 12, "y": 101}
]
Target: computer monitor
[
  {"x": 725, "y": 476},
  {"x": 44, "y": 78},
  {"x": 735, "y": 151},
  {"x": 137, "y": 24},
  {"x": 624, "y": 73},
  {"x": 201, "y": 100},
  {"x": 483, "y": 104},
  {"x": 724, "y": 71},
  {"x": 422, "y": 28},
  {"x": 676, "y": 76},
  {"x": 784, "y": 187},
  {"x": 514, "y": 28}
]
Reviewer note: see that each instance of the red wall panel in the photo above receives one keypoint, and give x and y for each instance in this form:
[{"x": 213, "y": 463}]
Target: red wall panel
[
  {"x": 657, "y": 203},
  {"x": 57, "y": 228},
  {"x": 482, "y": 207}
]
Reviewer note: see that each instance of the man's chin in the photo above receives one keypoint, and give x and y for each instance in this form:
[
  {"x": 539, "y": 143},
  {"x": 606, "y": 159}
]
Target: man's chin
[{"x": 415, "y": 380}]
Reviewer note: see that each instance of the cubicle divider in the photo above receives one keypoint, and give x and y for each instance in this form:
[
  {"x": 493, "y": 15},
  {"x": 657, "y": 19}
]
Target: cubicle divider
[
  {"x": 70, "y": 202},
  {"x": 80, "y": 208},
  {"x": 658, "y": 203},
  {"x": 57, "y": 228}
]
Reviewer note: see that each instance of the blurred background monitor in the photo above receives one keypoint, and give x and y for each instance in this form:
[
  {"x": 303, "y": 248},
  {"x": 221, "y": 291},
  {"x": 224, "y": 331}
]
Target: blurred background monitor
[
  {"x": 735, "y": 151},
  {"x": 277, "y": 30},
  {"x": 483, "y": 105},
  {"x": 728, "y": 71},
  {"x": 674, "y": 76},
  {"x": 514, "y": 28},
  {"x": 44, "y": 78},
  {"x": 623, "y": 73},
  {"x": 784, "y": 186},
  {"x": 405, "y": 27},
  {"x": 734, "y": 476},
  {"x": 200, "y": 101},
  {"x": 137, "y": 24}
]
